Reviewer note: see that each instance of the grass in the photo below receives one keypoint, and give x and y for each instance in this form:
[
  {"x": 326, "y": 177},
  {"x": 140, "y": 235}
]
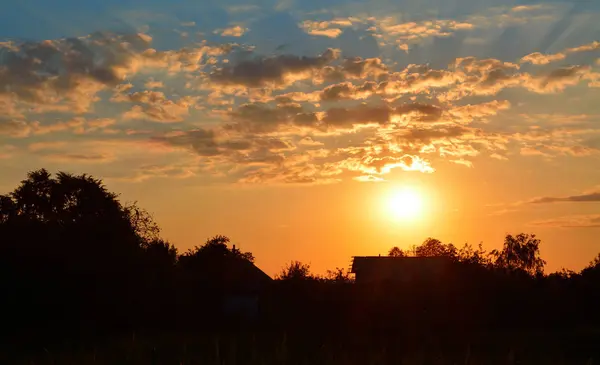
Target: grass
[{"x": 306, "y": 349}]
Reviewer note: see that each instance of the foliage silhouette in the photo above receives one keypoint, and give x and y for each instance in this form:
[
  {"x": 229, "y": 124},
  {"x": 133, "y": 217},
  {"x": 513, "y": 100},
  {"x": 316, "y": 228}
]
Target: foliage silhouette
[
  {"x": 520, "y": 253},
  {"x": 397, "y": 252},
  {"x": 76, "y": 262},
  {"x": 296, "y": 271}
]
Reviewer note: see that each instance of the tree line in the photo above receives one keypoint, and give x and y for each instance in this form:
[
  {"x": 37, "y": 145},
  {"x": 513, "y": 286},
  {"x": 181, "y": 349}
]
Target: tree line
[{"x": 76, "y": 260}]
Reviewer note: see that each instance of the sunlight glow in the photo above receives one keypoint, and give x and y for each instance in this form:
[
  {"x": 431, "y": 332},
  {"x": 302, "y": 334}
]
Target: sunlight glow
[{"x": 404, "y": 204}]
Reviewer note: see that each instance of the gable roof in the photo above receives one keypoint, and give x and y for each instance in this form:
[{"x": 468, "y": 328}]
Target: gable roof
[{"x": 246, "y": 276}]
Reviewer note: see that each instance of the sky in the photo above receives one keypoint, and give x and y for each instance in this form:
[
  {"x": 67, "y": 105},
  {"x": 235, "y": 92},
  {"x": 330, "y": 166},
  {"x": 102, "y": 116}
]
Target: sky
[{"x": 295, "y": 127}]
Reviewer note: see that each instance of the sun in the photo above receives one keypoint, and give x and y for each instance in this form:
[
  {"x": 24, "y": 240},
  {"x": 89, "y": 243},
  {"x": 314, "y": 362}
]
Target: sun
[{"x": 405, "y": 204}]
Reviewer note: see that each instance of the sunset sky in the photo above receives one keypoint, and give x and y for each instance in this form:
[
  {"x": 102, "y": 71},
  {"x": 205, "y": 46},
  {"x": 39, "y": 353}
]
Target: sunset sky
[{"x": 313, "y": 130}]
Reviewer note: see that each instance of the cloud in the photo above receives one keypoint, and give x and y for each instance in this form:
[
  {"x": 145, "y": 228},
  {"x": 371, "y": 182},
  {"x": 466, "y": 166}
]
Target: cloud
[
  {"x": 368, "y": 178},
  {"x": 558, "y": 79},
  {"x": 154, "y": 84},
  {"x": 154, "y": 106},
  {"x": 380, "y": 114},
  {"x": 588, "y": 197},
  {"x": 469, "y": 112},
  {"x": 538, "y": 58},
  {"x": 68, "y": 75},
  {"x": 69, "y": 71},
  {"x": 575, "y": 221},
  {"x": 234, "y": 31},
  {"x": 405, "y": 33},
  {"x": 352, "y": 68},
  {"x": 233, "y": 113},
  {"x": 272, "y": 71},
  {"x": 79, "y": 158},
  {"x": 262, "y": 118},
  {"x": 348, "y": 90},
  {"x": 165, "y": 171},
  {"x": 524, "y": 8},
  {"x": 331, "y": 28},
  {"x": 463, "y": 162},
  {"x": 77, "y": 125},
  {"x": 308, "y": 141}
]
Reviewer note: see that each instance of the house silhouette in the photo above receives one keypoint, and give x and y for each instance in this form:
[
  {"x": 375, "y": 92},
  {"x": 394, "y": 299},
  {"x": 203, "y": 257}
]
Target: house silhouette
[
  {"x": 401, "y": 270},
  {"x": 245, "y": 283}
]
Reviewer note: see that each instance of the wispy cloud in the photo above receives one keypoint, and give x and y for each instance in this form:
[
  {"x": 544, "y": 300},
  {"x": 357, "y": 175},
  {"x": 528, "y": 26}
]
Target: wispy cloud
[
  {"x": 588, "y": 197},
  {"x": 575, "y": 221},
  {"x": 538, "y": 58}
]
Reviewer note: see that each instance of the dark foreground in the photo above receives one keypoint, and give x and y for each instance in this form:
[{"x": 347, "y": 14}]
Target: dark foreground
[{"x": 580, "y": 347}]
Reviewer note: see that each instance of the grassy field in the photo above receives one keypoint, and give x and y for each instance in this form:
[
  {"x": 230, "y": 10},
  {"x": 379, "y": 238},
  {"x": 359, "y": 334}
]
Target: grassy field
[{"x": 313, "y": 349}]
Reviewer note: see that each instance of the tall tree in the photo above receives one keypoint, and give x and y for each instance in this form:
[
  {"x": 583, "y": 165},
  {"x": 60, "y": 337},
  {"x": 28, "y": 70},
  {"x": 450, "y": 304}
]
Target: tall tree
[
  {"x": 69, "y": 249},
  {"x": 520, "y": 253}
]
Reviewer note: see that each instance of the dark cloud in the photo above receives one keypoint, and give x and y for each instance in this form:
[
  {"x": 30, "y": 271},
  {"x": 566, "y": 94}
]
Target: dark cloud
[
  {"x": 589, "y": 197},
  {"x": 425, "y": 136},
  {"x": 355, "y": 68},
  {"x": 262, "y": 118},
  {"x": 347, "y": 90},
  {"x": 271, "y": 71},
  {"x": 201, "y": 141},
  {"x": 577, "y": 221},
  {"x": 342, "y": 117},
  {"x": 38, "y": 72},
  {"x": 239, "y": 149}
]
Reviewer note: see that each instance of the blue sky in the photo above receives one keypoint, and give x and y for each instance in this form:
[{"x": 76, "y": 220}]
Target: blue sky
[{"x": 308, "y": 95}]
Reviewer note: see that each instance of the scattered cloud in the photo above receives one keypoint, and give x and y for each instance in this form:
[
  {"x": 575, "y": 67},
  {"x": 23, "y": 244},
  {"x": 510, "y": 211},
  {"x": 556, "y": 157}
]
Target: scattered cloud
[
  {"x": 368, "y": 178},
  {"x": 331, "y": 28},
  {"x": 272, "y": 71},
  {"x": 154, "y": 84},
  {"x": 575, "y": 221},
  {"x": 463, "y": 162},
  {"x": 308, "y": 141},
  {"x": 538, "y": 58},
  {"x": 588, "y": 197},
  {"x": 234, "y": 31},
  {"x": 229, "y": 110}
]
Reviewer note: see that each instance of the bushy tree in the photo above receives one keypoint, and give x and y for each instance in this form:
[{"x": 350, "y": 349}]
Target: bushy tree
[
  {"x": 69, "y": 243},
  {"x": 397, "y": 252},
  {"x": 338, "y": 275},
  {"x": 296, "y": 271},
  {"x": 432, "y": 247},
  {"x": 476, "y": 256},
  {"x": 520, "y": 253}
]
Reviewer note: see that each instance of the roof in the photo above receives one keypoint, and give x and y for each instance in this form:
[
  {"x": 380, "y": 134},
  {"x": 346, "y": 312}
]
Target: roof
[
  {"x": 391, "y": 266},
  {"x": 248, "y": 275}
]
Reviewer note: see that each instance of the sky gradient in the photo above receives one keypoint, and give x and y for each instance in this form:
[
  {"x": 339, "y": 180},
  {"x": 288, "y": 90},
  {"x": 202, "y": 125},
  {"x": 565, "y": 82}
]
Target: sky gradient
[{"x": 287, "y": 125}]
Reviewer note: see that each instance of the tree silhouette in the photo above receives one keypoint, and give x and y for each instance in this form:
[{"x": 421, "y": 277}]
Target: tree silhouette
[
  {"x": 397, "y": 252},
  {"x": 432, "y": 247},
  {"x": 67, "y": 242},
  {"x": 476, "y": 256},
  {"x": 338, "y": 275},
  {"x": 295, "y": 271},
  {"x": 520, "y": 253},
  {"x": 216, "y": 248}
]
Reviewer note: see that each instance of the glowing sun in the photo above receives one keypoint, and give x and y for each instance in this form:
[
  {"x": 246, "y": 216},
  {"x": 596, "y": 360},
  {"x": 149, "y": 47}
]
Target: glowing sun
[{"x": 405, "y": 204}]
